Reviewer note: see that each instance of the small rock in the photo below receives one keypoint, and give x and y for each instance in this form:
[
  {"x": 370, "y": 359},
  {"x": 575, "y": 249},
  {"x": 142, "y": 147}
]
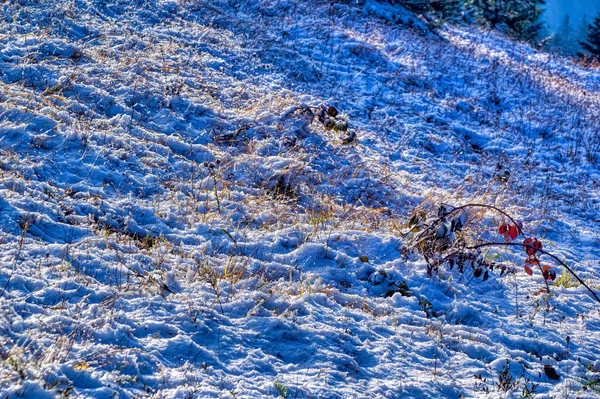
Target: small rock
[{"x": 551, "y": 372}]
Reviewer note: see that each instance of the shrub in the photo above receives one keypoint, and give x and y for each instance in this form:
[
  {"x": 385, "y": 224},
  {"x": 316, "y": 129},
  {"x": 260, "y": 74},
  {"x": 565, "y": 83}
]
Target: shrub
[{"x": 442, "y": 241}]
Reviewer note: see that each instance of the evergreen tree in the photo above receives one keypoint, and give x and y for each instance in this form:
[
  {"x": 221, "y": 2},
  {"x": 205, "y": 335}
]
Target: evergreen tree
[
  {"x": 563, "y": 40},
  {"x": 592, "y": 43},
  {"x": 543, "y": 37},
  {"x": 446, "y": 9},
  {"x": 449, "y": 9},
  {"x": 519, "y": 18},
  {"x": 582, "y": 30}
]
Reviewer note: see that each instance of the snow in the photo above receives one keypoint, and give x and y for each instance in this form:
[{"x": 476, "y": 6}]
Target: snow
[{"x": 173, "y": 223}]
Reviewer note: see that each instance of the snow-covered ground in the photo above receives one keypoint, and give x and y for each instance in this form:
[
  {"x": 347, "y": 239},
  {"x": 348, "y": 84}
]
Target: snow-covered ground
[{"x": 175, "y": 224}]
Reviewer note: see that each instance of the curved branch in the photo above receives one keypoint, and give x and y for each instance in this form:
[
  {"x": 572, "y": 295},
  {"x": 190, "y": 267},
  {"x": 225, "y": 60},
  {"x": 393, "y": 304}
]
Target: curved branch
[
  {"x": 435, "y": 222},
  {"x": 513, "y": 244}
]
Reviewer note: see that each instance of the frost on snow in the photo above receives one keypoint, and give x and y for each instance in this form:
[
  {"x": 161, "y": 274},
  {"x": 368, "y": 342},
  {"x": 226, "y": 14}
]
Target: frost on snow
[{"x": 176, "y": 221}]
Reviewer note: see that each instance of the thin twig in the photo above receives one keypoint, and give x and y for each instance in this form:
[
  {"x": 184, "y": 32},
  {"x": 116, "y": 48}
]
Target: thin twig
[
  {"x": 14, "y": 264},
  {"x": 435, "y": 222},
  {"x": 514, "y": 244}
]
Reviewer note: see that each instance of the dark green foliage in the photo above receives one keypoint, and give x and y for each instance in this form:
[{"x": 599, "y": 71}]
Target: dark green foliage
[
  {"x": 592, "y": 44},
  {"x": 564, "y": 39},
  {"x": 449, "y": 9},
  {"x": 444, "y": 9},
  {"x": 519, "y": 18},
  {"x": 582, "y": 27}
]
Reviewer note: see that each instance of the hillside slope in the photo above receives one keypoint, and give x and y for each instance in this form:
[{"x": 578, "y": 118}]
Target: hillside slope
[{"x": 175, "y": 223}]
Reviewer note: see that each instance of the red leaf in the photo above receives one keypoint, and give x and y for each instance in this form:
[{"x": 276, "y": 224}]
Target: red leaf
[
  {"x": 503, "y": 229},
  {"x": 528, "y": 270},
  {"x": 532, "y": 260},
  {"x": 548, "y": 272},
  {"x": 531, "y": 245},
  {"x": 526, "y": 243},
  {"x": 530, "y": 251},
  {"x": 513, "y": 232}
]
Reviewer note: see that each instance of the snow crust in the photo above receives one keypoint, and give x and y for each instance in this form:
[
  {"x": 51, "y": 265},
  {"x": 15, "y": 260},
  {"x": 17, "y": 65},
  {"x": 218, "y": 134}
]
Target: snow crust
[{"x": 172, "y": 225}]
